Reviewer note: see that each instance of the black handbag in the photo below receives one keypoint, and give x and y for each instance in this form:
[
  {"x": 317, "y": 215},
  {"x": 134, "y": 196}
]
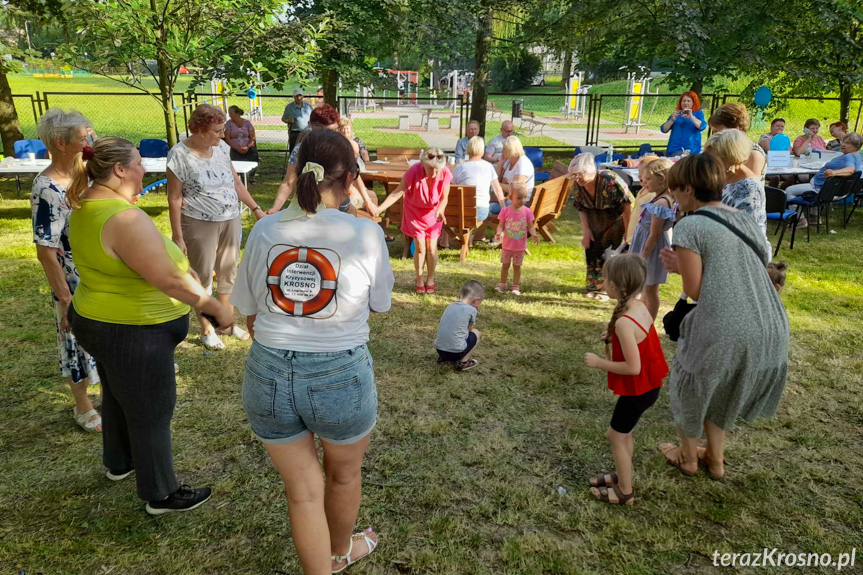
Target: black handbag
[{"x": 672, "y": 320}]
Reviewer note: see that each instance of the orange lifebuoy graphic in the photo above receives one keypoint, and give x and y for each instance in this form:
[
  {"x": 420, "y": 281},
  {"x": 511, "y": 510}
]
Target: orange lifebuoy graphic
[{"x": 302, "y": 281}]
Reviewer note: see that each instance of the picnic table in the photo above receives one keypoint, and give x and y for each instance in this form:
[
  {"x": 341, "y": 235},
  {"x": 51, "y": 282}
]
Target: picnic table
[
  {"x": 18, "y": 167},
  {"x": 386, "y": 171},
  {"x": 807, "y": 168}
]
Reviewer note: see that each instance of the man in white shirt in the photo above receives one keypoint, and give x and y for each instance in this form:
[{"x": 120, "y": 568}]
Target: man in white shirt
[
  {"x": 461, "y": 146},
  {"x": 495, "y": 146}
]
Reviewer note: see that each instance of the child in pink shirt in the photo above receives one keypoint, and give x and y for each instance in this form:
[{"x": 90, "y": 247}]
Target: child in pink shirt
[{"x": 514, "y": 227}]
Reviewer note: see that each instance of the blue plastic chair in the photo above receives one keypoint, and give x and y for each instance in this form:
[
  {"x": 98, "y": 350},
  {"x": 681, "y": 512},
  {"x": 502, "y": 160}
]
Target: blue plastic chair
[
  {"x": 535, "y": 157},
  {"x": 643, "y": 150},
  {"x": 604, "y": 158},
  {"x": 778, "y": 211},
  {"x": 24, "y": 147},
  {"x": 151, "y": 148}
]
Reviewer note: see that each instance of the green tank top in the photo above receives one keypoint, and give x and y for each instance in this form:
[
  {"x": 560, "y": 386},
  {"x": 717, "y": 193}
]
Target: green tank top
[{"x": 110, "y": 291}]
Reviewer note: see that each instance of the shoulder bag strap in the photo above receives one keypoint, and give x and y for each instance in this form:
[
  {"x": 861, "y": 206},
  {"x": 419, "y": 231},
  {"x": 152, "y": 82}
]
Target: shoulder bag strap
[{"x": 736, "y": 232}]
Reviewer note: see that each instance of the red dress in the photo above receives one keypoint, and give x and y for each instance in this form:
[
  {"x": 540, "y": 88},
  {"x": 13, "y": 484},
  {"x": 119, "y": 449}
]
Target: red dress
[{"x": 654, "y": 368}]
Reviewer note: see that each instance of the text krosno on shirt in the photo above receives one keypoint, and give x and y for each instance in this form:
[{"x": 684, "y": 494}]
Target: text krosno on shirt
[{"x": 776, "y": 558}]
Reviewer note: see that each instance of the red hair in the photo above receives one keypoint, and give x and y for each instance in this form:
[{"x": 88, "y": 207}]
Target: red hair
[
  {"x": 696, "y": 103},
  {"x": 326, "y": 115},
  {"x": 205, "y": 116}
]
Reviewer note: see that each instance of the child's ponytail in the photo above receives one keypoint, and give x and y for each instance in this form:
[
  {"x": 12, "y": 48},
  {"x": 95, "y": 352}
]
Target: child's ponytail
[
  {"x": 627, "y": 272},
  {"x": 325, "y": 160},
  {"x": 308, "y": 193}
]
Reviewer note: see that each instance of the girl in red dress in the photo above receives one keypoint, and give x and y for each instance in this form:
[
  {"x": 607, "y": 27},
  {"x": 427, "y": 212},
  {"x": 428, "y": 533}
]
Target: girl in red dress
[{"x": 636, "y": 367}]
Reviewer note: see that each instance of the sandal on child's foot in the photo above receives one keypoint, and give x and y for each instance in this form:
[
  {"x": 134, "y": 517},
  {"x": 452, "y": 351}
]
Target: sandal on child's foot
[
  {"x": 420, "y": 289},
  {"x": 515, "y": 290},
  {"x": 430, "y": 289},
  {"x": 501, "y": 287},
  {"x": 614, "y": 495},
  {"x": 604, "y": 480},
  {"x": 674, "y": 457},
  {"x": 466, "y": 365},
  {"x": 342, "y": 562}
]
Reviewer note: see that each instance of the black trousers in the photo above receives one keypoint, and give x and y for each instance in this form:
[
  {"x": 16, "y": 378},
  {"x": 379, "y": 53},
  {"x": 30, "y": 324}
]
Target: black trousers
[
  {"x": 139, "y": 391},
  {"x": 293, "y": 136}
]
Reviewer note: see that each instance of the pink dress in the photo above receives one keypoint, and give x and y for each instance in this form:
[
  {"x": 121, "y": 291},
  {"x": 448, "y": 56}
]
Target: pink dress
[{"x": 421, "y": 200}]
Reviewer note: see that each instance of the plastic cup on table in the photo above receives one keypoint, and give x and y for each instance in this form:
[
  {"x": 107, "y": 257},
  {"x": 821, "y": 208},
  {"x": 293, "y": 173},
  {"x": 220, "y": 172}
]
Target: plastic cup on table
[{"x": 31, "y": 156}]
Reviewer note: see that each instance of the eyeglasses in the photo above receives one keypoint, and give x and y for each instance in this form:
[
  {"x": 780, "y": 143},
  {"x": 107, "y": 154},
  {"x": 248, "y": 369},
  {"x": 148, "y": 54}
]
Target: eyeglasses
[{"x": 434, "y": 157}]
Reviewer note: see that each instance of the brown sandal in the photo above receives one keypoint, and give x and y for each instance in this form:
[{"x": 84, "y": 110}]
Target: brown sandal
[
  {"x": 603, "y": 480},
  {"x": 604, "y": 495},
  {"x": 664, "y": 448},
  {"x": 702, "y": 459}
]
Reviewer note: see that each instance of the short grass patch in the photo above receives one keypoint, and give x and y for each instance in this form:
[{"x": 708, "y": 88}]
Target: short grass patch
[{"x": 463, "y": 472}]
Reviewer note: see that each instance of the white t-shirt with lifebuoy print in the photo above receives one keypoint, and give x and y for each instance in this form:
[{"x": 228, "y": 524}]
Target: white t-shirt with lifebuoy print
[{"x": 312, "y": 280}]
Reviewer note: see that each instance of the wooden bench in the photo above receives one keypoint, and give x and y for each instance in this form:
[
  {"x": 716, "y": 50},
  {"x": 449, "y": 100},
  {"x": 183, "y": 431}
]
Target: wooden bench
[
  {"x": 492, "y": 109},
  {"x": 460, "y": 214},
  {"x": 547, "y": 203},
  {"x": 398, "y": 154},
  {"x": 529, "y": 118}
]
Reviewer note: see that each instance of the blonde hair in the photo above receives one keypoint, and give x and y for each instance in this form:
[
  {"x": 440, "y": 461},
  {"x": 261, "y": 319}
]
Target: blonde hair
[
  {"x": 731, "y": 145},
  {"x": 475, "y": 147},
  {"x": 59, "y": 125},
  {"x": 107, "y": 153},
  {"x": 659, "y": 168},
  {"x": 439, "y": 162},
  {"x": 513, "y": 149},
  {"x": 627, "y": 272},
  {"x": 345, "y": 125}
]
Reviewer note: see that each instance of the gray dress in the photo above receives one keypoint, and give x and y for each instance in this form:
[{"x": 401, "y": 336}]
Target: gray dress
[
  {"x": 732, "y": 357},
  {"x": 656, "y": 273}
]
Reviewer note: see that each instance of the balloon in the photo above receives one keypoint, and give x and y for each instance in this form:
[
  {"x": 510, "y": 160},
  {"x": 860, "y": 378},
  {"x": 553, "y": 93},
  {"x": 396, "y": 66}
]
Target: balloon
[
  {"x": 780, "y": 142},
  {"x": 763, "y": 96},
  {"x": 413, "y": 248},
  {"x": 252, "y": 94}
]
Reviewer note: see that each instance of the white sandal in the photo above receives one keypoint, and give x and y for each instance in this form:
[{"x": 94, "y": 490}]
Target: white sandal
[
  {"x": 347, "y": 557},
  {"x": 212, "y": 341},
  {"x": 83, "y": 420}
]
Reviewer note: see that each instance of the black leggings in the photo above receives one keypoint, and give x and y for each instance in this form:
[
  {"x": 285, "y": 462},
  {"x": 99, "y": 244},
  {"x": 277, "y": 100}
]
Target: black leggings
[
  {"x": 629, "y": 409},
  {"x": 139, "y": 390}
]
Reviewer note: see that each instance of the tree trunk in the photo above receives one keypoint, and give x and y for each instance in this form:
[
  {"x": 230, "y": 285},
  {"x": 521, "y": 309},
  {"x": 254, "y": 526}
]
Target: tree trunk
[
  {"x": 697, "y": 87},
  {"x": 567, "y": 69},
  {"x": 330, "y": 80},
  {"x": 10, "y": 128},
  {"x": 166, "y": 91},
  {"x": 844, "y": 101},
  {"x": 480, "y": 78}
]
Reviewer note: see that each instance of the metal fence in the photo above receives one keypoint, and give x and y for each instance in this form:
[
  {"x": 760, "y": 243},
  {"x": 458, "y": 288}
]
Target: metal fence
[{"x": 548, "y": 120}]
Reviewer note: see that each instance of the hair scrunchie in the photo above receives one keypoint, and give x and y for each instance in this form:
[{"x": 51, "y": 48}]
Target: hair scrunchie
[
  {"x": 87, "y": 153},
  {"x": 316, "y": 169}
]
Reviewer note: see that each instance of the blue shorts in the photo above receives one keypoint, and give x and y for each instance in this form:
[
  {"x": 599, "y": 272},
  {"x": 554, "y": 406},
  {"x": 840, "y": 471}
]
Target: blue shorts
[
  {"x": 495, "y": 208},
  {"x": 455, "y": 356},
  {"x": 288, "y": 395},
  {"x": 481, "y": 213}
]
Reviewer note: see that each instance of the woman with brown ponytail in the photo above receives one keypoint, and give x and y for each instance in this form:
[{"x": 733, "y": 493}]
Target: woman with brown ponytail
[
  {"x": 307, "y": 284},
  {"x": 131, "y": 309},
  {"x": 636, "y": 367}
]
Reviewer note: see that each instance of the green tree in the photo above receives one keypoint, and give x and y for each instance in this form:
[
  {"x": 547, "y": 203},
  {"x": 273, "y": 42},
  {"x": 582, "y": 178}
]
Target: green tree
[
  {"x": 157, "y": 37},
  {"x": 514, "y": 69}
]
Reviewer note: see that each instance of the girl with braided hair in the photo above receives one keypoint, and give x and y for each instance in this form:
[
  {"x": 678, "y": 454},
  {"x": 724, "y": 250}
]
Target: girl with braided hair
[{"x": 636, "y": 367}]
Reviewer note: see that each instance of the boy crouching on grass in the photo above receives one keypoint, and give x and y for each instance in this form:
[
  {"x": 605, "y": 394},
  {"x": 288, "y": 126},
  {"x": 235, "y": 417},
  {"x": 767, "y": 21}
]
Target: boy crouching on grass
[{"x": 456, "y": 334}]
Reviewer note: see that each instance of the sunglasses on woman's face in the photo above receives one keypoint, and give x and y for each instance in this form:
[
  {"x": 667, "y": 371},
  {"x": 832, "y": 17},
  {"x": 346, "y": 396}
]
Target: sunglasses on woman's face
[{"x": 433, "y": 157}]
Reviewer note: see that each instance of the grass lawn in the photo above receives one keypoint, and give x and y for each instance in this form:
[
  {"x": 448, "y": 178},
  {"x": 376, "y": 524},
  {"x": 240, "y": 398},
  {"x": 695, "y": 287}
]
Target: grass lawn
[{"x": 464, "y": 470}]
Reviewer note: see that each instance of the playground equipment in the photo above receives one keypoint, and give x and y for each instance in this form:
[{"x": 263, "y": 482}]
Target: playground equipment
[
  {"x": 576, "y": 99},
  {"x": 406, "y": 83},
  {"x": 639, "y": 86}
]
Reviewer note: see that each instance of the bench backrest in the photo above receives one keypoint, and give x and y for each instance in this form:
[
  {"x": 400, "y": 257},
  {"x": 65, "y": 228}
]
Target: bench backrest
[
  {"x": 528, "y": 113},
  {"x": 460, "y": 209},
  {"x": 399, "y": 154},
  {"x": 549, "y": 198}
]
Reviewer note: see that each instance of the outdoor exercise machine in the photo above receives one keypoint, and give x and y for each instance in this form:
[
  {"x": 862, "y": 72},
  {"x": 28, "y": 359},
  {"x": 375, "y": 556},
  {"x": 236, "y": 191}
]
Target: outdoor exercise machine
[
  {"x": 576, "y": 97},
  {"x": 639, "y": 87}
]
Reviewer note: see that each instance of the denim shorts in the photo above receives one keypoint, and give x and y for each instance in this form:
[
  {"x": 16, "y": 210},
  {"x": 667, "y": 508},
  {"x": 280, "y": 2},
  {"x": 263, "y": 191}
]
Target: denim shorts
[
  {"x": 495, "y": 208},
  {"x": 288, "y": 395},
  {"x": 481, "y": 213}
]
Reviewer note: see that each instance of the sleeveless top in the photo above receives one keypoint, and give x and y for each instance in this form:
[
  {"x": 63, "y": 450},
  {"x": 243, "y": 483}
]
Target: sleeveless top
[
  {"x": 110, "y": 291},
  {"x": 653, "y": 365}
]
